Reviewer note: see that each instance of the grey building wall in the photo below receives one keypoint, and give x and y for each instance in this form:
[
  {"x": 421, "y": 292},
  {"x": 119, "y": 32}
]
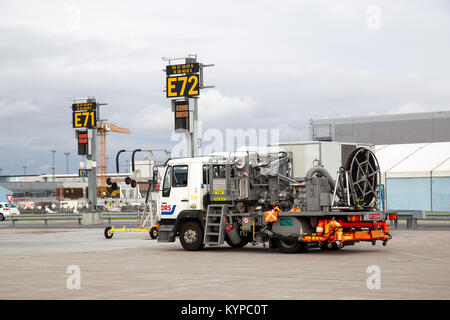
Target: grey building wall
[
  {"x": 32, "y": 189},
  {"x": 384, "y": 129}
]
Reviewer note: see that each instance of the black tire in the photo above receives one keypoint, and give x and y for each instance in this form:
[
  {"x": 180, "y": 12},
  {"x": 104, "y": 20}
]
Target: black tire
[
  {"x": 2, "y": 217},
  {"x": 108, "y": 235},
  {"x": 290, "y": 246},
  {"x": 243, "y": 243},
  {"x": 191, "y": 236},
  {"x": 153, "y": 233},
  {"x": 272, "y": 244}
]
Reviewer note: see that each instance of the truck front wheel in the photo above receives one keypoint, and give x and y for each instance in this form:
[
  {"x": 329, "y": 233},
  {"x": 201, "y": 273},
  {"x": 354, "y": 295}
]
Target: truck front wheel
[{"x": 191, "y": 236}]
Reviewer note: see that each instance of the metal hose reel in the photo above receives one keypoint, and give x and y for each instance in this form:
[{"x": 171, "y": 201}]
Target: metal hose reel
[
  {"x": 358, "y": 182},
  {"x": 364, "y": 177}
]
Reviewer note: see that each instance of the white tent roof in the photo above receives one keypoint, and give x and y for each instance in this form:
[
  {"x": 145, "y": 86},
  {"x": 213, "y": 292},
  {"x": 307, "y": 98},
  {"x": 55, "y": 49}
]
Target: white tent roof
[{"x": 414, "y": 160}]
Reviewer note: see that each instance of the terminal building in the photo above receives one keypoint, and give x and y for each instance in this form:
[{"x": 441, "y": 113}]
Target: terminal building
[{"x": 48, "y": 188}]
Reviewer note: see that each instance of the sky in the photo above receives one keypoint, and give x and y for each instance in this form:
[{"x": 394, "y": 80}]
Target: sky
[{"x": 277, "y": 64}]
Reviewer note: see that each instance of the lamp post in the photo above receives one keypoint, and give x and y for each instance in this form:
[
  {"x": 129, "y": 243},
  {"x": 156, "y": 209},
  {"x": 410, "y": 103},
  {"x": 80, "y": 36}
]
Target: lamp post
[
  {"x": 67, "y": 161},
  {"x": 53, "y": 167}
]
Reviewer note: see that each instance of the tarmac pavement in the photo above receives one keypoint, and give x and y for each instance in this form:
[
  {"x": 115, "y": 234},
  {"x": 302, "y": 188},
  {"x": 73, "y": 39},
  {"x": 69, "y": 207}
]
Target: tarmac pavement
[{"x": 79, "y": 263}]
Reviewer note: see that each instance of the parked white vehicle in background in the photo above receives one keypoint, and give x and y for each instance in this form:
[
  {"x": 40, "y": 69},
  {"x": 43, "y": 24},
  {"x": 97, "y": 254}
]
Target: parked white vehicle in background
[{"x": 8, "y": 209}]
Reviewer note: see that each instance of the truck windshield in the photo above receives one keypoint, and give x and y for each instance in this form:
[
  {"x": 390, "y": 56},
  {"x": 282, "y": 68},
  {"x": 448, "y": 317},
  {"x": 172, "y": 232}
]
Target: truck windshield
[{"x": 167, "y": 182}]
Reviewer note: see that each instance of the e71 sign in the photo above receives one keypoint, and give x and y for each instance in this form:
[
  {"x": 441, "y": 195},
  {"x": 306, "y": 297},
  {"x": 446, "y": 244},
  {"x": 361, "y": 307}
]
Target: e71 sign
[
  {"x": 82, "y": 173},
  {"x": 84, "y": 115}
]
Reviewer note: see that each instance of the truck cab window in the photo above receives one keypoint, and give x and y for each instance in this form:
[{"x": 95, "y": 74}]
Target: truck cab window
[
  {"x": 219, "y": 171},
  {"x": 167, "y": 182},
  {"x": 205, "y": 174},
  {"x": 180, "y": 176}
]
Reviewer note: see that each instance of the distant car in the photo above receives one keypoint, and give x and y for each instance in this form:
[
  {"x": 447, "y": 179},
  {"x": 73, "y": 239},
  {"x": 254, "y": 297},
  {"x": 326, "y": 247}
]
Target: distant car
[{"x": 8, "y": 209}]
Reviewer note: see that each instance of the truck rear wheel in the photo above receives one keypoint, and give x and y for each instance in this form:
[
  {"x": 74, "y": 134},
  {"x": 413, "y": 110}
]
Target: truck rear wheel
[
  {"x": 2, "y": 217},
  {"x": 191, "y": 236},
  {"x": 243, "y": 243},
  {"x": 290, "y": 246}
]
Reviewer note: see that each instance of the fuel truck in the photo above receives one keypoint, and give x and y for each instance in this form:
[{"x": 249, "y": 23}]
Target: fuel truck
[{"x": 250, "y": 197}]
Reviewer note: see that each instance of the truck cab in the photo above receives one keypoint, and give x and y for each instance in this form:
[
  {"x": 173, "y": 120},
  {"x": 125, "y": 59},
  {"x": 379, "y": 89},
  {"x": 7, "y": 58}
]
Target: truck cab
[
  {"x": 182, "y": 187},
  {"x": 225, "y": 187},
  {"x": 181, "y": 197}
]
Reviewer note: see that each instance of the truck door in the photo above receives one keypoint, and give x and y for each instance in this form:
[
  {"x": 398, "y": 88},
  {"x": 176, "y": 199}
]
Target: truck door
[{"x": 175, "y": 191}]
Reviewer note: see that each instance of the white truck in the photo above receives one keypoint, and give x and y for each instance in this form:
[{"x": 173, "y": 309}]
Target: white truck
[{"x": 248, "y": 197}]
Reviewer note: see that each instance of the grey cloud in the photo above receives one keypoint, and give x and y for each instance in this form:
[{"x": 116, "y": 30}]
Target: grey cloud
[{"x": 283, "y": 63}]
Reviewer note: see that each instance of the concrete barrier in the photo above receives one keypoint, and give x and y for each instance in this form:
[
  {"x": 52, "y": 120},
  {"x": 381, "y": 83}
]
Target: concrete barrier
[{"x": 91, "y": 218}]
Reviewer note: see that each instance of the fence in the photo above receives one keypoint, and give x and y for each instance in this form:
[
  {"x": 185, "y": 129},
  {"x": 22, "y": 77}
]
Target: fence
[
  {"x": 78, "y": 217},
  {"x": 411, "y": 217}
]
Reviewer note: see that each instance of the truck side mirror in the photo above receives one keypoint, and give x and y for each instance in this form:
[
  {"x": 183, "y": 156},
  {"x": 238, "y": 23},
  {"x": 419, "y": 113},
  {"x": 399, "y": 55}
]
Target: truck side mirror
[{"x": 155, "y": 177}]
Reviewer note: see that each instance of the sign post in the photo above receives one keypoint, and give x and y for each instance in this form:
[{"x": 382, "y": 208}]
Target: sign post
[
  {"x": 183, "y": 85},
  {"x": 85, "y": 115}
]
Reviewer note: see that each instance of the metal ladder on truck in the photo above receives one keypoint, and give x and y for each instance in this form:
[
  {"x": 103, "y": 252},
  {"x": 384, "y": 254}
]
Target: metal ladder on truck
[{"x": 215, "y": 224}]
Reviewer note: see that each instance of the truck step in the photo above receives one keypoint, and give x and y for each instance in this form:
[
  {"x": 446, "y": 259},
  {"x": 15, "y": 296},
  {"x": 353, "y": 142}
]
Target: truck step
[{"x": 215, "y": 224}]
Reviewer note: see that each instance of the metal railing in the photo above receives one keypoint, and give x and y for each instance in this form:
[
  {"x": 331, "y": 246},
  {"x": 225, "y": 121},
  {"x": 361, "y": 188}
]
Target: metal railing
[
  {"x": 67, "y": 216},
  {"x": 411, "y": 217}
]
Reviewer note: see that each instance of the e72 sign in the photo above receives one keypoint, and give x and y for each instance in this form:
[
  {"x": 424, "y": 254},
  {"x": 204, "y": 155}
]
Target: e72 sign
[{"x": 183, "y": 86}]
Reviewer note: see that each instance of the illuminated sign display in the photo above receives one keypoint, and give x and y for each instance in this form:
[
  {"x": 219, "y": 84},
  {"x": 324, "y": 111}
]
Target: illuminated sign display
[
  {"x": 84, "y": 119},
  {"x": 84, "y": 115},
  {"x": 182, "y": 86},
  {"x": 182, "y": 115},
  {"x": 82, "y": 137},
  {"x": 87, "y": 106},
  {"x": 186, "y": 68}
]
